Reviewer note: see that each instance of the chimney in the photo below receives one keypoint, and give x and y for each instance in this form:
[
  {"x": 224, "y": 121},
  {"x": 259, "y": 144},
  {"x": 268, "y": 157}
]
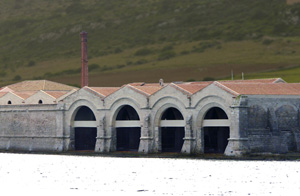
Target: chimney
[{"x": 84, "y": 60}]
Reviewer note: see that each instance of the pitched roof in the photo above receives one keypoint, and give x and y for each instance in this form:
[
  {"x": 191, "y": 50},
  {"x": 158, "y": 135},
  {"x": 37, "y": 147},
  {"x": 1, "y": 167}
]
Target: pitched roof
[
  {"x": 24, "y": 94},
  {"x": 103, "y": 91},
  {"x": 261, "y": 88},
  {"x": 267, "y": 80},
  {"x": 36, "y": 85},
  {"x": 2, "y": 93},
  {"x": 56, "y": 94},
  {"x": 147, "y": 89},
  {"x": 5, "y": 89},
  {"x": 191, "y": 88}
]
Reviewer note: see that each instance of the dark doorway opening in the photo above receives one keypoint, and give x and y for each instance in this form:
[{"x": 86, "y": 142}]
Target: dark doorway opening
[
  {"x": 128, "y": 138},
  {"x": 85, "y": 138},
  {"x": 172, "y": 139},
  {"x": 215, "y": 139}
]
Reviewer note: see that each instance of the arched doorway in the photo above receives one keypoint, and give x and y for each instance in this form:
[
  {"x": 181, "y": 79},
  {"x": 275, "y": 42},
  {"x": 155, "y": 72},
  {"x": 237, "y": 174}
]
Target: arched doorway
[
  {"x": 216, "y": 130},
  {"x": 172, "y": 130},
  {"x": 128, "y": 129},
  {"x": 85, "y": 129}
]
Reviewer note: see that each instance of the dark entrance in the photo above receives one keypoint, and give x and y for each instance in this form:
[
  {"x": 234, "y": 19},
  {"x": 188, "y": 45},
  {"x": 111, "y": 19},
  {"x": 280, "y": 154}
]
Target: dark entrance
[
  {"x": 215, "y": 137},
  {"x": 85, "y": 137},
  {"x": 128, "y": 138},
  {"x": 172, "y": 137}
]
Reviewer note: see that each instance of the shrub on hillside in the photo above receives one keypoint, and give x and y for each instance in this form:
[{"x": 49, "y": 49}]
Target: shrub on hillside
[
  {"x": 93, "y": 67},
  {"x": 141, "y": 61},
  {"x": 166, "y": 55},
  {"x": 17, "y": 78},
  {"x": 267, "y": 41},
  {"x": 143, "y": 52},
  {"x": 31, "y": 63}
]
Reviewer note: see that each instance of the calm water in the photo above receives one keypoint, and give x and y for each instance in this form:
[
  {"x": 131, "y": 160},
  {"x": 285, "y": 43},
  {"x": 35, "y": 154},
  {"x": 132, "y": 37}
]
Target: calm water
[{"x": 52, "y": 174}]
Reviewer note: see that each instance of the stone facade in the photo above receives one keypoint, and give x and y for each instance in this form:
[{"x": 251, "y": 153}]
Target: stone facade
[{"x": 171, "y": 117}]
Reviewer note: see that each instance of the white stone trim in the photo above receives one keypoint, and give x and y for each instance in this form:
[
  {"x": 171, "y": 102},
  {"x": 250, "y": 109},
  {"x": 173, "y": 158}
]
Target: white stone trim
[
  {"x": 172, "y": 123},
  {"x": 85, "y": 124},
  {"x": 216, "y": 123},
  {"x": 127, "y": 123}
]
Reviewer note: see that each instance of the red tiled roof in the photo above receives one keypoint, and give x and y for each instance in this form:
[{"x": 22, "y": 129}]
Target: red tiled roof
[
  {"x": 191, "y": 87},
  {"x": 36, "y": 85},
  {"x": 262, "y": 88},
  {"x": 56, "y": 94},
  {"x": 147, "y": 89},
  {"x": 268, "y": 80},
  {"x": 6, "y": 89},
  {"x": 24, "y": 94},
  {"x": 2, "y": 93},
  {"x": 104, "y": 91}
]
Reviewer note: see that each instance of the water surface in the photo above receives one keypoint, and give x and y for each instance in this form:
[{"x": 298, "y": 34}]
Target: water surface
[{"x": 53, "y": 174}]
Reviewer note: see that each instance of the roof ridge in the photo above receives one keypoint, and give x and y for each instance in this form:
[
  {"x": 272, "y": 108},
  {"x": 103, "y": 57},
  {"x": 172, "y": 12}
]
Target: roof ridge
[
  {"x": 89, "y": 88},
  {"x": 180, "y": 88},
  {"x": 16, "y": 95},
  {"x": 44, "y": 93},
  {"x": 140, "y": 91},
  {"x": 226, "y": 88}
]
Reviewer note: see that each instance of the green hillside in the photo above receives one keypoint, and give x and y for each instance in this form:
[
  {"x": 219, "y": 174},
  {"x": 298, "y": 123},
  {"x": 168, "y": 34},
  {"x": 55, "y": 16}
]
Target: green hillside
[{"x": 145, "y": 40}]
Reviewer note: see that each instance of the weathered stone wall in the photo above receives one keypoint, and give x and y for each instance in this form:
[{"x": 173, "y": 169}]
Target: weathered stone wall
[
  {"x": 31, "y": 127},
  {"x": 273, "y": 124}
]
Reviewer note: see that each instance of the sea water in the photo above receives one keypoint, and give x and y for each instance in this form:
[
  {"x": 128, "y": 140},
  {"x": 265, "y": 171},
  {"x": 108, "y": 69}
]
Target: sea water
[{"x": 78, "y": 175}]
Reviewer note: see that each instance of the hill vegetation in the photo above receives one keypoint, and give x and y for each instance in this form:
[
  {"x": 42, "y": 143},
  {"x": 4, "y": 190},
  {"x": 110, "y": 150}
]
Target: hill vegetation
[{"x": 144, "y": 40}]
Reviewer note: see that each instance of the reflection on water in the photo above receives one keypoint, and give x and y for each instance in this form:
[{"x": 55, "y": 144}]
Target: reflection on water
[{"x": 143, "y": 176}]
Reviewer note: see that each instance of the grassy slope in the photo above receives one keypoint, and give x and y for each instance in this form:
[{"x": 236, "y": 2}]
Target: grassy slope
[{"x": 187, "y": 40}]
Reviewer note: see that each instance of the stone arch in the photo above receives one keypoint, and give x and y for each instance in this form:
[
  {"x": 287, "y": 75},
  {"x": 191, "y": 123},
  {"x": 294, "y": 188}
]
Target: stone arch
[
  {"x": 125, "y": 124},
  {"x": 76, "y": 127},
  {"x": 216, "y": 130},
  {"x": 257, "y": 117},
  {"x": 160, "y": 107},
  {"x": 162, "y": 104},
  {"x": 117, "y": 105},
  {"x": 202, "y": 107}
]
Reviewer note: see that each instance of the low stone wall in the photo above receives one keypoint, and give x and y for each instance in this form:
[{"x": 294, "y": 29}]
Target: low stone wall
[{"x": 31, "y": 127}]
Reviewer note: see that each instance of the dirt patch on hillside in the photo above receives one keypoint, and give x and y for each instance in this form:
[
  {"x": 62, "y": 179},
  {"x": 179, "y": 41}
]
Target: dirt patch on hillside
[{"x": 290, "y": 2}]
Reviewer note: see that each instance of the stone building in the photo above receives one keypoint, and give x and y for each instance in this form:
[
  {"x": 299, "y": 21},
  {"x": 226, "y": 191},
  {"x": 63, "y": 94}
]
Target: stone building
[{"x": 230, "y": 117}]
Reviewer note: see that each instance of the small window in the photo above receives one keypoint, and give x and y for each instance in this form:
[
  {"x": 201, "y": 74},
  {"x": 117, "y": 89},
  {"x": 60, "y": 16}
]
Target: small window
[
  {"x": 9, "y": 102},
  {"x": 40, "y": 101}
]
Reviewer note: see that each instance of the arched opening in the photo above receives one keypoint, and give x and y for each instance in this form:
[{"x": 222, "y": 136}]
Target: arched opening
[
  {"x": 40, "y": 101},
  {"x": 9, "y": 102},
  {"x": 216, "y": 131},
  {"x": 172, "y": 130},
  {"x": 128, "y": 129},
  {"x": 85, "y": 129}
]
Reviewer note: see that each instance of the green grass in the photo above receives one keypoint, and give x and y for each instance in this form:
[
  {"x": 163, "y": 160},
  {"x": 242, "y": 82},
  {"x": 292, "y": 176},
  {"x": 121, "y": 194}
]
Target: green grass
[{"x": 211, "y": 36}]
